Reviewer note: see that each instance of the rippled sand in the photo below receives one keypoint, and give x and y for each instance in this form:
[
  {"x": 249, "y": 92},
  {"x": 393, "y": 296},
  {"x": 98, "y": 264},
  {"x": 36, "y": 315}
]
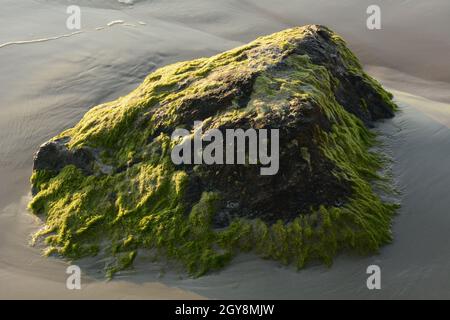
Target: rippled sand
[{"x": 51, "y": 77}]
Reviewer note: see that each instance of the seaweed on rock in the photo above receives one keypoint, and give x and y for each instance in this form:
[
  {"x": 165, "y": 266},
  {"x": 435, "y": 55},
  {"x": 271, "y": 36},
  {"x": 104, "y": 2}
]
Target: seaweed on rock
[{"x": 115, "y": 189}]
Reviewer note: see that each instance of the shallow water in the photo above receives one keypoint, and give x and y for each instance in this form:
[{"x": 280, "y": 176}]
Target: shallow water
[{"x": 47, "y": 86}]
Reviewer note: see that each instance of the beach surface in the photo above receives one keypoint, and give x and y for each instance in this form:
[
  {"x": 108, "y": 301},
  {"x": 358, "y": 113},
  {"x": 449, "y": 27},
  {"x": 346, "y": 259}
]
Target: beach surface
[{"x": 51, "y": 76}]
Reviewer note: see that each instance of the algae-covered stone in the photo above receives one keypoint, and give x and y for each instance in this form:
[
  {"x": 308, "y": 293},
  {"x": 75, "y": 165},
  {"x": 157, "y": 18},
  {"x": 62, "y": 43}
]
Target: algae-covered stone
[{"x": 108, "y": 184}]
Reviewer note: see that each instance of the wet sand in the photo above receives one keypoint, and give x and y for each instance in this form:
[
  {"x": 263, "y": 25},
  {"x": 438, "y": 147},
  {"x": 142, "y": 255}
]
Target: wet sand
[{"x": 48, "y": 86}]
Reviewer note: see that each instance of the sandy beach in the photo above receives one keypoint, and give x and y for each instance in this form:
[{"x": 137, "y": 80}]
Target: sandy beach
[{"x": 50, "y": 77}]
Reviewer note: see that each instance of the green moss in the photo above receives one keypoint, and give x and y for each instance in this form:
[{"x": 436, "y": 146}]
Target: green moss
[
  {"x": 124, "y": 261},
  {"x": 39, "y": 178},
  {"x": 306, "y": 156},
  {"x": 144, "y": 207}
]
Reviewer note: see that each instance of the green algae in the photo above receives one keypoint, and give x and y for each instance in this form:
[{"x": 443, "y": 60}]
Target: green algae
[{"x": 144, "y": 206}]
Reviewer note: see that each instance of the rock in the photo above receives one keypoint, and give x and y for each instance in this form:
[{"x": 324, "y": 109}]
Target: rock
[
  {"x": 304, "y": 82},
  {"x": 54, "y": 155}
]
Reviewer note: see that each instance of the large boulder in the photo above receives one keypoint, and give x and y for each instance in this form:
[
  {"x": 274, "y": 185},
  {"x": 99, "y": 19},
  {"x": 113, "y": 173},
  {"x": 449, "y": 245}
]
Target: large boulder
[{"x": 304, "y": 82}]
